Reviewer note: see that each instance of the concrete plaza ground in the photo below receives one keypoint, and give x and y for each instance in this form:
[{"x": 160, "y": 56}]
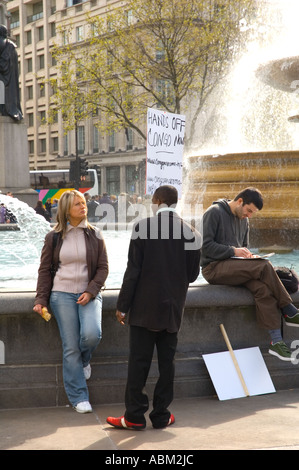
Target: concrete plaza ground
[{"x": 265, "y": 422}]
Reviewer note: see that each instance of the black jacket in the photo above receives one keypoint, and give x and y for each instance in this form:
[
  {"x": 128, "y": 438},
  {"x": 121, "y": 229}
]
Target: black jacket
[{"x": 164, "y": 256}]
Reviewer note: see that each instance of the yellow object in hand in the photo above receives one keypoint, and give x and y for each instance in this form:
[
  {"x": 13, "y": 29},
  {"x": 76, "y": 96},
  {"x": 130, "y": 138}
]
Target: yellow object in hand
[{"x": 45, "y": 314}]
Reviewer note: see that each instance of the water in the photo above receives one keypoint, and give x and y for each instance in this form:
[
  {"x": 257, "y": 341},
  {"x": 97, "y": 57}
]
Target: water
[
  {"x": 19, "y": 260},
  {"x": 20, "y": 250},
  {"x": 250, "y": 116}
]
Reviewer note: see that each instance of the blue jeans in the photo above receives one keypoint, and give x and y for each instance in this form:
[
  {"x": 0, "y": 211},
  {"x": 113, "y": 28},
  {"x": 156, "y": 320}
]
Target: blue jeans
[{"x": 80, "y": 329}]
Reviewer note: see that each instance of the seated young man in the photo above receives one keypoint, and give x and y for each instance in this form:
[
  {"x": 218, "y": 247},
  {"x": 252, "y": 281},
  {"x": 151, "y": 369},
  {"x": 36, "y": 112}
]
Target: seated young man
[{"x": 225, "y": 236}]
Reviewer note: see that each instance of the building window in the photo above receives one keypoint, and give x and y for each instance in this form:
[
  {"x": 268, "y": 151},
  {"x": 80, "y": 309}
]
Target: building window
[
  {"x": 17, "y": 40},
  {"x": 53, "y": 29},
  {"x": 41, "y": 59},
  {"x": 30, "y": 92},
  {"x": 42, "y": 90},
  {"x": 65, "y": 38},
  {"x": 79, "y": 33},
  {"x": 55, "y": 144},
  {"x": 164, "y": 89},
  {"x": 131, "y": 179},
  {"x": 43, "y": 145},
  {"x": 30, "y": 120},
  {"x": 113, "y": 179},
  {"x": 81, "y": 139},
  {"x": 37, "y": 12},
  {"x": 129, "y": 136},
  {"x": 74, "y": 2},
  {"x": 41, "y": 33},
  {"x": 15, "y": 19},
  {"x": 42, "y": 117},
  {"x": 29, "y": 65},
  {"x": 95, "y": 139},
  {"x": 129, "y": 17},
  {"x": 112, "y": 142},
  {"x": 31, "y": 146},
  {"x": 53, "y": 7},
  {"x": 29, "y": 37}
]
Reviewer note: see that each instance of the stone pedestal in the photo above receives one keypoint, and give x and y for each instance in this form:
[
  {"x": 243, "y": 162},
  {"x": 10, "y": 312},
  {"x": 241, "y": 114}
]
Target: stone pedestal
[{"x": 14, "y": 163}]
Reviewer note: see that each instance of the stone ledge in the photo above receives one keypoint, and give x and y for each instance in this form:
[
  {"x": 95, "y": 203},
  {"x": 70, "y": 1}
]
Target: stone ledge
[
  {"x": 203, "y": 295},
  {"x": 31, "y": 373}
]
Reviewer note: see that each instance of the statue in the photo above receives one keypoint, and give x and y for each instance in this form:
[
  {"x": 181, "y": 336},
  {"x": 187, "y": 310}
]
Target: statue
[{"x": 9, "y": 75}]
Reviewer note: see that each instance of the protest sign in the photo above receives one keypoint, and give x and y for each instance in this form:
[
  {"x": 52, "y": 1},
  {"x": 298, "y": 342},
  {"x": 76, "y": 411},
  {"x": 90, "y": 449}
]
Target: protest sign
[{"x": 165, "y": 146}]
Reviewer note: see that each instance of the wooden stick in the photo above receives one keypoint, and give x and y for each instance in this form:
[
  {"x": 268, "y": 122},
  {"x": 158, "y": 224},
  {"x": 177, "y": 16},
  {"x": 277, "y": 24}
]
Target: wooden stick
[{"x": 234, "y": 360}]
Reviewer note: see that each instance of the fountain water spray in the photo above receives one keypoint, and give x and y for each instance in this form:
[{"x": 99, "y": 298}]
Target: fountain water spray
[
  {"x": 255, "y": 142},
  {"x": 23, "y": 245}
]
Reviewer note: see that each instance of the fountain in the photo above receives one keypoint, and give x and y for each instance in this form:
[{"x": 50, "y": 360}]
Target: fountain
[
  {"x": 272, "y": 166},
  {"x": 21, "y": 248},
  {"x": 31, "y": 369}
]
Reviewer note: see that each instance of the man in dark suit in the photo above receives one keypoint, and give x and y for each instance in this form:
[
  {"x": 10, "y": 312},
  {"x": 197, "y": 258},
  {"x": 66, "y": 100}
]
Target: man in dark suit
[{"x": 164, "y": 256}]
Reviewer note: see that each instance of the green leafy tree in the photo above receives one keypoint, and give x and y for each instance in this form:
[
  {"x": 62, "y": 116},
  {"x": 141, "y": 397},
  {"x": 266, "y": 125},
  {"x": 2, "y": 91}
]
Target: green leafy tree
[{"x": 169, "y": 54}]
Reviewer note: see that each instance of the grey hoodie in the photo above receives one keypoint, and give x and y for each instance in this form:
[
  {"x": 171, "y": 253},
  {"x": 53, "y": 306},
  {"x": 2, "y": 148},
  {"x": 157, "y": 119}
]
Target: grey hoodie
[{"x": 222, "y": 231}]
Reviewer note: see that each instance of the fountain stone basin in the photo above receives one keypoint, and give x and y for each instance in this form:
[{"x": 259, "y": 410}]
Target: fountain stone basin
[
  {"x": 275, "y": 174},
  {"x": 31, "y": 368}
]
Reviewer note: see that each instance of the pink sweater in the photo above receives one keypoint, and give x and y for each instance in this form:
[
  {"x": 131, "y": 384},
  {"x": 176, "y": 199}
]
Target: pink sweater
[{"x": 72, "y": 274}]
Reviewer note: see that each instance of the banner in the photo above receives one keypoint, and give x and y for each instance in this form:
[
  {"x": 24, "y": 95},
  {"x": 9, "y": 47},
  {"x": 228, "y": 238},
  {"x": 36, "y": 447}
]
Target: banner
[{"x": 165, "y": 146}]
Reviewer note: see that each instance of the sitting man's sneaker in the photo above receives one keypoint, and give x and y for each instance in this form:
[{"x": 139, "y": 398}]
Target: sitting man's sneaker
[
  {"x": 170, "y": 421},
  {"x": 292, "y": 321},
  {"x": 122, "y": 423},
  {"x": 83, "y": 407},
  {"x": 281, "y": 351}
]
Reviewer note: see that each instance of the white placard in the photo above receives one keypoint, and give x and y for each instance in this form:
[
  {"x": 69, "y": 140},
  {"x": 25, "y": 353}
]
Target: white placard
[
  {"x": 225, "y": 377},
  {"x": 165, "y": 146}
]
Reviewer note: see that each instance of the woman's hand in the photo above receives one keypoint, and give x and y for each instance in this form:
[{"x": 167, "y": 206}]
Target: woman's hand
[
  {"x": 84, "y": 298},
  {"x": 38, "y": 308}
]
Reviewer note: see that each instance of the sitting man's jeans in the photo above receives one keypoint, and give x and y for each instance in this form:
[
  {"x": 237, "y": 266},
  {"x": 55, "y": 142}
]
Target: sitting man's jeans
[{"x": 80, "y": 329}]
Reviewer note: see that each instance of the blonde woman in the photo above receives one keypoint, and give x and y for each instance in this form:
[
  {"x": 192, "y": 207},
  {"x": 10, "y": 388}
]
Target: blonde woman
[{"x": 73, "y": 269}]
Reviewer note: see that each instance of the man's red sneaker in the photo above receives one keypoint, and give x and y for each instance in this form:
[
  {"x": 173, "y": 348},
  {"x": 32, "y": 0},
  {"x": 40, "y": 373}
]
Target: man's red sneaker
[
  {"x": 122, "y": 423},
  {"x": 170, "y": 421}
]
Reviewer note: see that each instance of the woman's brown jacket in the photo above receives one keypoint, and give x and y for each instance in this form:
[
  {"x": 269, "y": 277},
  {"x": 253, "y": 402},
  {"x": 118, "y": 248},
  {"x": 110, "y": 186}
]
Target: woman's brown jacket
[{"x": 96, "y": 258}]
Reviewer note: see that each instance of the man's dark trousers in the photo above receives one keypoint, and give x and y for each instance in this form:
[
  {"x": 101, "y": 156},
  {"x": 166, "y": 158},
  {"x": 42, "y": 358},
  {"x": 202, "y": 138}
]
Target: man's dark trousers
[
  {"x": 142, "y": 343},
  {"x": 259, "y": 276}
]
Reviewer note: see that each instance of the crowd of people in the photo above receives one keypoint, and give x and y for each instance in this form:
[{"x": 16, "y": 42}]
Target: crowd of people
[
  {"x": 109, "y": 207},
  {"x": 112, "y": 208},
  {"x": 49, "y": 210},
  {"x": 6, "y": 216}
]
